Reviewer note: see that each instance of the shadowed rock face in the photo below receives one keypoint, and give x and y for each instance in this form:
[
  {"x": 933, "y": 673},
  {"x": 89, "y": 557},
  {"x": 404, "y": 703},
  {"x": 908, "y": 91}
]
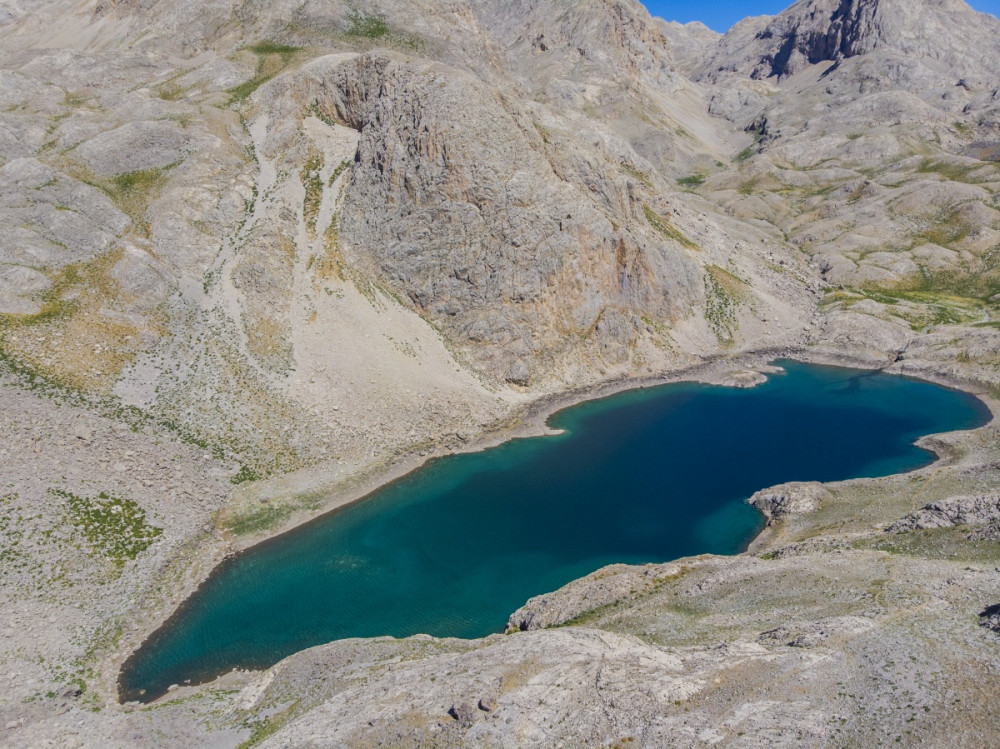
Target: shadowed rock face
[
  {"x": 826, "y": 34},
  {"x": 816, "y": 31}
]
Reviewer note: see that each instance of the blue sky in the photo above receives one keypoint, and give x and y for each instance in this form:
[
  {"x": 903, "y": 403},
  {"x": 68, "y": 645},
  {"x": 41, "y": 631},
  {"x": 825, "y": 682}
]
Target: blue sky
[{"x": 722, "y": 14}]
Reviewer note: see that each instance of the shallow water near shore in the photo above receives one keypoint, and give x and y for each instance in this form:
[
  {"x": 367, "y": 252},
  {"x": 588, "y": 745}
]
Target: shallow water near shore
[{"x": 453, "y": 548}]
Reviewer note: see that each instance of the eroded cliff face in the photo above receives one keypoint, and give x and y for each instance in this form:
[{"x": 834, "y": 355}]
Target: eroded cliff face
[
  {"x": 830, "y": 31},
  {"x": 516, "y": 262},
  {"x": 298, "y": 241}
]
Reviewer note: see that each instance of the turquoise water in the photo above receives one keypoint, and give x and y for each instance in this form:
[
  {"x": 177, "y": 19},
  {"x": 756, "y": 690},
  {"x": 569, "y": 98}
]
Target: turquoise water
[{"x": 452, "y": 549}]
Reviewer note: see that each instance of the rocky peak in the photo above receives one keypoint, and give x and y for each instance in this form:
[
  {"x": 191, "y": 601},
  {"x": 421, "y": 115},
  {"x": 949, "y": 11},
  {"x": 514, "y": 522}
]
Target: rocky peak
[
  {"x": 816, "y": 31},
  {"x": 824, "y": 30}
]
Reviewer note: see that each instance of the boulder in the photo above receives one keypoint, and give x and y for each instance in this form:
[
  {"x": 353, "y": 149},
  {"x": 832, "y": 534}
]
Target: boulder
[{"x": 463, "y": 713}]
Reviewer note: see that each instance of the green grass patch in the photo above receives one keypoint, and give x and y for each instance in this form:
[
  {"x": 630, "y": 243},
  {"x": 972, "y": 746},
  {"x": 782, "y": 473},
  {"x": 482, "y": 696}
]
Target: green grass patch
[
  {"x": 692, "y": 180},
  {"x": 114, "y": 528},
  {"x": 273, "y": 48},
  {"x": 951, "y": 171},
  {"x": 956, "y": 287},
  {"x": 745, "y": 155},
  {"x": 266, "y": 518},
  {"x": 11, "y": 529},
  {"x": 272, "y": 58},
  {"x": 244, "y": 475},
  {"x": 916, "y": 301},
  {"x": 170, "y": 92},
  {"x": 267, "y": 727},
  {"x": 366, "y": 29},
  {"x": 53, "y": 306},
  {"x": 338, "y": 170},
  {"x": 132, "y": 192},
  {"x": 749, "y": 186},
  {"x": 138, "y": 183},
  {"x": 666, "y": 229},
  {"x": 367, "y": 26}
]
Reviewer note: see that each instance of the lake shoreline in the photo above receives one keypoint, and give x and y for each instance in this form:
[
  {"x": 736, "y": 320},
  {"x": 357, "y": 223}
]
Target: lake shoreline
[{"x": 533, "y": 422}]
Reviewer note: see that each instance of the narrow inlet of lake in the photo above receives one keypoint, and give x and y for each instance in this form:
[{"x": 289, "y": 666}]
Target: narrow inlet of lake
[{"x": 453, "y": 548}]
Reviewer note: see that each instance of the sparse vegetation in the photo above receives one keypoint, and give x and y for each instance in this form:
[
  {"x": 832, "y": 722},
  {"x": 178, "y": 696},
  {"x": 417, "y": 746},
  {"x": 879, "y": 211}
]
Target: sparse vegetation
[
  {"x": 951, "y": 170},
  {"x": 367, "y": 26},
  {"x": 924, "y": 301},
  {"x": 330, "y": 264},
  {"x": 70, "y": 338},
  {"x": 114, "y": 528},
  {"x": 264, "y": 728},
  {"x": 170, "y": 92},
  {"x": 749, "y": 186},
  {"x": 724, "y": 293},
  {"x": 244, "y": 475},
  {"x": 641, "y": 176},
  {"x": 338, "y": 170},
  {"x": 950, "y": 543},
  {"x": 11, "y": 524},
  {"x": 313, "y": 184},
  {"x": 133, "y": 192},
  {"x": 268, "y": 517},
  {"x": 273, "y": 48},
  {"x": 954, "y": 286},
  {"x": 665, "y": 228},
  {"x": 272, "y": 58}
]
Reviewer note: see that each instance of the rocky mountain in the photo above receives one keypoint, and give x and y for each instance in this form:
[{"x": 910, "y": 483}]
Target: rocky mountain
[
  {"x": 935, "y": 35},
  {"x": 301, "y": 245}
]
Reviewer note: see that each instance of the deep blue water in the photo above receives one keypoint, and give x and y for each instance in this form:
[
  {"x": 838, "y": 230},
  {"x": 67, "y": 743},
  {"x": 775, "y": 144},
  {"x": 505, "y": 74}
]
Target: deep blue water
[{"x": 451, "y": 549}]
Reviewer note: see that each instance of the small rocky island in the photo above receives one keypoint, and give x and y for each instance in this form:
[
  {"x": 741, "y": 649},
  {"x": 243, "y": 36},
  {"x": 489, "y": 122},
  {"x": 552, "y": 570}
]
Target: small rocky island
[{"x": 258, "y": 260}]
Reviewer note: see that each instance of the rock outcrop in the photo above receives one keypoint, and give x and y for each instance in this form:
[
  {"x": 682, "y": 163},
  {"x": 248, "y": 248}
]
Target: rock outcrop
[
  {"x": 796, "y": 498},
  {"x": 811, "y": 32},
  {"x": 981, "y": 513}
]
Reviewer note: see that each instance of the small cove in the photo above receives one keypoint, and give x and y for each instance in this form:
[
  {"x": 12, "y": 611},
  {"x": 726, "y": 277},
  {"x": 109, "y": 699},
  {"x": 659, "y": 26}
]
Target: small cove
[{"x": 451, "y": 549}]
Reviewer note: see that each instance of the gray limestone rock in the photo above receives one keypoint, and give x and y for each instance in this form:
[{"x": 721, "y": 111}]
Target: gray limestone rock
[
  {"x": 977, "y": 510},
  {"x": 134, "y": 147},
  {"x": 796, "y": 498},
  {"x": 48, "y": 219},
  {"x": 464, "y": 714},
  {"x": 830, "y": 31}
]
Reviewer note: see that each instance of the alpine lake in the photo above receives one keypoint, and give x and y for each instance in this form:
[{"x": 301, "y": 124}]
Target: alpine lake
[{"x": 450, "y": 550}]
